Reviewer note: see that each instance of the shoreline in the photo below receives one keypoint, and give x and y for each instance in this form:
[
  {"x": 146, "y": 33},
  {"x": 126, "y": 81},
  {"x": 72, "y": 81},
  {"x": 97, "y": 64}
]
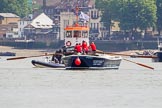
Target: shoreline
[
  {"x": 35, "y": 52},
  {"x": 22, "y": 52}
]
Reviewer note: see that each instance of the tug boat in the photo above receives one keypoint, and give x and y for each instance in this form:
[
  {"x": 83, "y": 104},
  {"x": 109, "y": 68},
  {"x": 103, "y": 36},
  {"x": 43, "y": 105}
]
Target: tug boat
[
  {"x": 158, "y": 54},
  {"x": 78, "y": 33}
]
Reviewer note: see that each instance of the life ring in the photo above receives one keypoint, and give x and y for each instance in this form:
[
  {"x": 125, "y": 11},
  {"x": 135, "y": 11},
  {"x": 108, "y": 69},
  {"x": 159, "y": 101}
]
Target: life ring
[{"x": 68, "y": 43}]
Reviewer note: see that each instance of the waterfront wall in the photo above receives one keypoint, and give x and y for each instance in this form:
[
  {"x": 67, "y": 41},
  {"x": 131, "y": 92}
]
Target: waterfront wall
[
  {"x": 102, "y": 45},
  {"x": 125, "y": 45},
  {"x": 33, "y": 45}
]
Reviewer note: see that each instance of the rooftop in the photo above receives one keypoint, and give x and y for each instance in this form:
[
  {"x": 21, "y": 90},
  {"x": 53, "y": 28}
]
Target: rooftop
[
  {"x": 48, "y": 2},
  {"x": 42, "y": 21},
  {"x": 61, "y": 3},
  {"x": 8, "y": 15}
]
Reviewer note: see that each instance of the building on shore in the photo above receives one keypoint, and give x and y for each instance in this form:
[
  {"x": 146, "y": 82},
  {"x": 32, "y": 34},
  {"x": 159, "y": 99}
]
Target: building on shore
[
  {"x": 9, "y": 31},
  {"x": 62, "y": 12},
  {"x": 40, "y": 29},
  {"x": 7, "y": 18},
  {"x": 21, "y": 24},
  {"x": 8, "y": 25}
]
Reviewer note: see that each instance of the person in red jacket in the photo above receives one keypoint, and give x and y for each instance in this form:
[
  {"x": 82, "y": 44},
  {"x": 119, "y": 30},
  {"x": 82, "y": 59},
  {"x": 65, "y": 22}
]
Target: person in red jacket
[
  {"x": 84, "y": 47},
  {"x": 86, "y": 50},
  {"x": 75, "y": 48},
  {"x": 78, "y": 48},
  {"x": 93, "y": 47}
]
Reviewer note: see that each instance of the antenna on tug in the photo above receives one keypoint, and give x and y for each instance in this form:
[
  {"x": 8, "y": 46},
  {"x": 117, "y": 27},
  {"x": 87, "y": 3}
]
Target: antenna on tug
[{"x": 77, "y": 14}]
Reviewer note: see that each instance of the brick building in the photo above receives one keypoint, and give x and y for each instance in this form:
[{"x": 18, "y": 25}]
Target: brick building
[{"x": 7, "y": 18}]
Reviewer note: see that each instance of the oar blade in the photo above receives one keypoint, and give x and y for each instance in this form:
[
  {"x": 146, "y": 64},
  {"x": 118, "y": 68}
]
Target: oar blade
[
  {"x": 144, "y": 56},
  {"x": 140, "y": 64},
  {"x": 145, "y": 66},
  {"x": 16, "y": 58}
]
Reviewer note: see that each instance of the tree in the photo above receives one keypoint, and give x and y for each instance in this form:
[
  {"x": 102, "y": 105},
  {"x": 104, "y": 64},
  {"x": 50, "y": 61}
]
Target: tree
[
  {"x": 132, "y": 14},
  {"x": 138, "y": 14},
  {"x": 19, "y": 7},
  {"x": 159, "y": 15},
  {"x": 108, "y": 8},
  {"x": 24, "y": 8}
]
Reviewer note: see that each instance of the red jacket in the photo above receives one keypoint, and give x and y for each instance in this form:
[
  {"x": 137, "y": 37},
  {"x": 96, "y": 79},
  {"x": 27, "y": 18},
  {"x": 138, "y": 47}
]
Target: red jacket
[
  {"x": 78, "y": 48},
  {"x": 93, "y": 46},
  {"x": 84, "y": 45}
]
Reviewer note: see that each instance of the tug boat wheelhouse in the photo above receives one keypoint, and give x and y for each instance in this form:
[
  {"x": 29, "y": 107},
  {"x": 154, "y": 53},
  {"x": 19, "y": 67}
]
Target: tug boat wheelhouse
[{"x": 76, "y": 34}]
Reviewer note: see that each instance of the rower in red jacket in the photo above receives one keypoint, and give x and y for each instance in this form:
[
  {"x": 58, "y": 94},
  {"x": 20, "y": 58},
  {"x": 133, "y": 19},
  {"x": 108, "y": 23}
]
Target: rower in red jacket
[
  {"x": 78, "y": 48},
  {"x": 93, "y": 47},
  {"x": 84, "y": 47}
]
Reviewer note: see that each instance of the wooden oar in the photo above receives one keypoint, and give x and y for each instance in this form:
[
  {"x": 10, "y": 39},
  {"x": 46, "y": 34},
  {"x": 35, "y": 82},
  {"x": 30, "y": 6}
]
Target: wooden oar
[
  {"x": 16, "y": 58},
  {"x": 140, "y": 64},
  {"x": 139, "y": 56}
]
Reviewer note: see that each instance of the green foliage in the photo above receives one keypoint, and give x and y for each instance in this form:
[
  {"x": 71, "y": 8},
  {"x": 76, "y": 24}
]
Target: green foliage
[
  {"x": 159, "y": 15},
  {"x": 132, "y": 14},
  {"x": 109, "y": 11},
  {"x": 19, "y": 7},
  {"x": 138, "y": 14}
]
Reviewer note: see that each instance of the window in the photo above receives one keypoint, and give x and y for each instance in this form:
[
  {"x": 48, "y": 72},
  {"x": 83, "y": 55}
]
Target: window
[
  {"x": 37, "y": 23},
  {"x": 85, "y": 34},
  {"x": 95, "y": 14},
  {"x": 77, "y": 33},
  {"x": 69, "y": 34},
  {"x": 94, "y": 25},
  {"x": 91, "y": 14},
  {"x": 97, "y": 25},
  {"x": 10, "y": 36}
]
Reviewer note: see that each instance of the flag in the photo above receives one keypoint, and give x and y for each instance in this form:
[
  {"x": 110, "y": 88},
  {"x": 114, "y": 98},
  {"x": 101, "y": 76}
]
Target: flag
[{"x": 83, "y": 17}]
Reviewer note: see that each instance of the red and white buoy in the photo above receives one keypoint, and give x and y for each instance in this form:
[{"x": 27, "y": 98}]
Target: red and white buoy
[{"x": 77, "y": 61}]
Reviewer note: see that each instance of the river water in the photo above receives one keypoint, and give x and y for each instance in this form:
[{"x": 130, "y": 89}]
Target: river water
[{"x": 132, "y": 86}]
